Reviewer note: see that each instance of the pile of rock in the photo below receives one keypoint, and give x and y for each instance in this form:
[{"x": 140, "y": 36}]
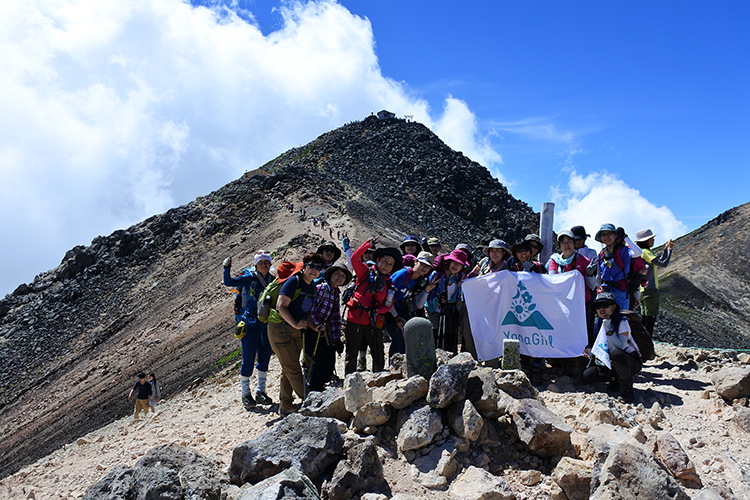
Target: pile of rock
[{"x": 462, "y": 433}]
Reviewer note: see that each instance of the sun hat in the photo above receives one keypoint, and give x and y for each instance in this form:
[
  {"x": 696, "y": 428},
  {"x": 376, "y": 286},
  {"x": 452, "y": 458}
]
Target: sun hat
[
  {"x": 605, "y": 227},
  {"x": 644, "y": 235},
  {"x": 287, "y": 269},
  {"x": 408, "y": 260},
  {"x": 535, "y": 238},
  {"x": 261, "y": 255},
  {"x": 392, "y": 252},
  {"x": 409, "y": 239},
  {"x": 465, "y": 248},
  {"x": 433, "y": 241},
  {"x": 579, "y": 233},
  {"x": 496, "y": 244},
  {"x": 425, "y": 258},
  {"x": 605, "y": 298},
  {"x": 338, "y": 267},
  {"x": 519, "y": 245},
  {"x": 332, "y": 246},
  {"x": 458, "y": 255},
  {"x": 565, "y": 232}
]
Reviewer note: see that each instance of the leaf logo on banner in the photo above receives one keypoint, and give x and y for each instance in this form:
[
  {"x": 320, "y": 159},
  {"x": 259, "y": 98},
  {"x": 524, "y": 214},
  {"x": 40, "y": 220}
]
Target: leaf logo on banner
[{"x": 522, "y": 312}]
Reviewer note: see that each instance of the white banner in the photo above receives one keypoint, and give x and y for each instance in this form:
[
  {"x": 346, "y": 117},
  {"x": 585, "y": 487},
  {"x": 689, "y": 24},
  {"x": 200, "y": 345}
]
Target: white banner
[{"x": 545, "y": 312}]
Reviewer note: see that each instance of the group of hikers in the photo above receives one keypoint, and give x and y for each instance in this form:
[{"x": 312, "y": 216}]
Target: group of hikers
[{"x": 313, "y": 309}]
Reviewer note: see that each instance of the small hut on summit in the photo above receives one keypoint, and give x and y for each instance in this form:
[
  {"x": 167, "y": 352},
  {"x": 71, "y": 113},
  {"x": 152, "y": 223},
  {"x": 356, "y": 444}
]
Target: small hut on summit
[{"x": 384, "y": 115}]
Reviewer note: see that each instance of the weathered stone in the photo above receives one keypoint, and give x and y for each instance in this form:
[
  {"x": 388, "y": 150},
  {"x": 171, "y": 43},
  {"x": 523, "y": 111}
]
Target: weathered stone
[
  {"x": 448, "y": 383},
  {"x": 515, "y": 383},
  {"x": 441, "y": 460},
  {"x": 290, "y": 484},
  {"x": 626, "y": 471},
  {"x": 574, "y": 477},
  {"x": 371, "y": 414},
  {"x": 401, "y": 393},
  {"x": 361, "y": 472},
  {"x": 465, "y": 420},
  {"x": 329, "y": 403},
  {"x": 732, "y": 382},
  {"x": 600, "y": 437},
  {"x": 168, "y": 471},
  {"x": 669, "y": 452},
  {"x": 742, "y": 417},
  {"x": 420, "y": 348},
  {"x": 356, "y": 392},
  {"x": 482, "y": 391},
  {"x": 530, "y": 477},
  {"x": 380, "y": 379},
  {"x": 542, "y": 431},
  {"x": 478, "y": 484},
  {"x": 310, "y": 443},
  {"x": 418, "y": 426}
]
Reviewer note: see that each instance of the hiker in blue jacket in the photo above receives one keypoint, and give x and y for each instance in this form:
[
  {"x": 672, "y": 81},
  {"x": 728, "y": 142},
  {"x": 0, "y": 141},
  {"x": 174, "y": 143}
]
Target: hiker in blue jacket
[
  {"x": 254, "y": 337},
  {"x": 613, "y": 264}
]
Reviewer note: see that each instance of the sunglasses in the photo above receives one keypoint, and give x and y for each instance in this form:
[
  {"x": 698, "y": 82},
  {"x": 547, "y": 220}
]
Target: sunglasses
[
  {"x": 262, "y": 252},
  {"x": 317, "y": 267}
]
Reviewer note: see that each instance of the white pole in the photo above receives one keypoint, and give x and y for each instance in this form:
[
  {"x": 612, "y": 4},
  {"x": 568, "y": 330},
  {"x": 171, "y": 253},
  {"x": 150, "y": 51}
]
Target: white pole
[{"x": 546, "y": 221}]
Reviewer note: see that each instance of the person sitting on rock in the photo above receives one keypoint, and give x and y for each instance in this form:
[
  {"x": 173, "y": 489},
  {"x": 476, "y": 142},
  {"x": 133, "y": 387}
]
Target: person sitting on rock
[
  {"x": 442, "y": 303},
  {"x": 410, "y": 245},
  {"x": 614, "y": 356},
  {"x": 650, "y": 291},
  {"x": 323, "y": 335},
  {"x": 254, "y": 334},
  {"x": 293, "y": 306},
  {"x": 371, "y": 300}
]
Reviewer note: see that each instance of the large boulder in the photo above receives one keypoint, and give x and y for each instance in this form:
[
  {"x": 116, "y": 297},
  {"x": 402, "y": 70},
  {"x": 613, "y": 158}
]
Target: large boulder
[
  {"x": 371, "y": 414},
  {"x": 448, "y": 383},
  {"x": 543, "y": 432},
  {"x": 515, "y": 383},
  {"x": 310, "y": 443},
  {"x": 418, "y": 425},
  {"x": 478, "y": 484},
  {"x": 360, "y": 473},
  {"x": 356, "y": 392},
  {"x": 290, "y": 484},
  {"x": 401, "y": 393},
  {"x": 732, "y": 382},
  {"x": 465, "y": 420},
  {"x": 329, "y": 403},
  {"x": 483, "y": 392},
  {"x": 168, "y": 471},
  {"x": 626, "y": 471},
  {"x": 574, "y": 477},
  {"x": 669, "y": 452}
]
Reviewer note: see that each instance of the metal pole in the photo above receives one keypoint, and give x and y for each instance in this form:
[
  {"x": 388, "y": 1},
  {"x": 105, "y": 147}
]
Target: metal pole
[{"x": 545, "y": 230}]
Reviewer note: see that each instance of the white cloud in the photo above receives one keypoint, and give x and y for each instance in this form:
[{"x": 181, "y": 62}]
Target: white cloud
[
  {"x": 113, "y": 111},
  {"x": 598, "y": 198}
]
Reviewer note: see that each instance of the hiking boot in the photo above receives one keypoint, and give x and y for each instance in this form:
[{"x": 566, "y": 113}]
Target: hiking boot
[
  {"x": 285, "y": 409},
  {"x": 626, "y": 396},
  {"x": 613, "y": 386},
  {"x": 263, "y": 398},
  {"x": 248, "y": 402}
]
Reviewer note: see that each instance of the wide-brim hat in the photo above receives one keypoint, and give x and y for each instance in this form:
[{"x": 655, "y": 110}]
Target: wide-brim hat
[
  {"x": 518, "y": 245},
  {"x": 339, "y": 267},
  {"x": 392, "y": 252},
  {"x": 425, "y": 258},
  {"x": 465, "y": 249},
  {"x": 431, "y": 241},
  {"x": 579, "y": 233},
  {"x": 408, "y": 260},
  {"x": 605, "y": 298},
  {"x": 565, "y": 232},
  {"x": 644, "y": 235},
  {"x": 409, "y": 239},
  {"x": 496, "y": 244},
  {"x": 535, "y": 238},
  {"x": 331, "y": 245},
  {"x": 458, "y": 255},
  {"x": 605, "y": 227},
  {"x": 287, "y": 269}
]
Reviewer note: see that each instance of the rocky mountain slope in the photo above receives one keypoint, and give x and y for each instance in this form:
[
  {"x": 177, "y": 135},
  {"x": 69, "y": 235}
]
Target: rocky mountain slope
[
  {"x": 706, "y": 287},
  {"x": 150, "y": 297}
]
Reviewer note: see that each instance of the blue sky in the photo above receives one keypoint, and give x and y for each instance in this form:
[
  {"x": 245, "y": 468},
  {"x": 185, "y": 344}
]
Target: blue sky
[{"x": 635, "y": 113}]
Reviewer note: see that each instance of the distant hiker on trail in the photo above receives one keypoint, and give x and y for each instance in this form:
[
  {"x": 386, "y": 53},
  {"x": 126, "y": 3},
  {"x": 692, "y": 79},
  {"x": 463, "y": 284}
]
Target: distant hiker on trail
[
  {"x": 155, "y": 392},
  {"x": 252, "y": 333},
  {"x": 614, "y": 356},
  {"x": 521, "y": 260},
  {"x": 323, "y": 335},
  {"x": 372, "y": 298},
  {"x": 412, "y": 286},
  {"x": 613, "y": 264},
  {"x": 285, "y": 329},
  {"x": 650, "y": 291},
  {"x": 410, "y": 245},
  {"x": 442, "y": 302},
  {"x": 142, "y": 391}
]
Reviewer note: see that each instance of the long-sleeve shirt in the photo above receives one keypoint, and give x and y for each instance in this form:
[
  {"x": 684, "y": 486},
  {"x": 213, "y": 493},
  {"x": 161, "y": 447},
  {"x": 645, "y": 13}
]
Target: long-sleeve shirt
[
  {"x": 367, "y": 298},
  {"x": 327, "y": 310},
  {"x": 485, "y": 266},
  {"x": 609, "y": 270},
  {"x": 579, "y": 263},
  {"x": 652, "y": 280},
  {"x": 250, "y": 287}
]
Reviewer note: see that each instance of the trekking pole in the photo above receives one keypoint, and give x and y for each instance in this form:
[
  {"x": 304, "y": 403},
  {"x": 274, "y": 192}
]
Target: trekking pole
[{"x": 441, "y": 331}]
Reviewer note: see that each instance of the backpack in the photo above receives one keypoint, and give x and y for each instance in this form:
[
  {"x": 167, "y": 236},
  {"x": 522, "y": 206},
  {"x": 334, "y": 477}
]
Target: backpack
[
  {"x": 640, "y": 335},
  {"x": 238, "y": 306},
  {"x": 634, "y": 278},
  {"x": 270, "y": 295}
]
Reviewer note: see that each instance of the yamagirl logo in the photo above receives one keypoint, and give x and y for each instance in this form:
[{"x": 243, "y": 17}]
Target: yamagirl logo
[{"x": 523, "y": 313}]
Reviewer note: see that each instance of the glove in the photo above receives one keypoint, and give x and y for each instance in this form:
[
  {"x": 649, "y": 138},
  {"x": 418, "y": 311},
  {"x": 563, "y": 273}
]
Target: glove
[
  {"x": 228, "y": 262},
  {"x": 339, "y": 346}
]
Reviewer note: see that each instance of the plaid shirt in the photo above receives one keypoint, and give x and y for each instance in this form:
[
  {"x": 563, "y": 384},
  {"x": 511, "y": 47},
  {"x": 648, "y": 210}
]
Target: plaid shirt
[{"x": 327, "y": 309}]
